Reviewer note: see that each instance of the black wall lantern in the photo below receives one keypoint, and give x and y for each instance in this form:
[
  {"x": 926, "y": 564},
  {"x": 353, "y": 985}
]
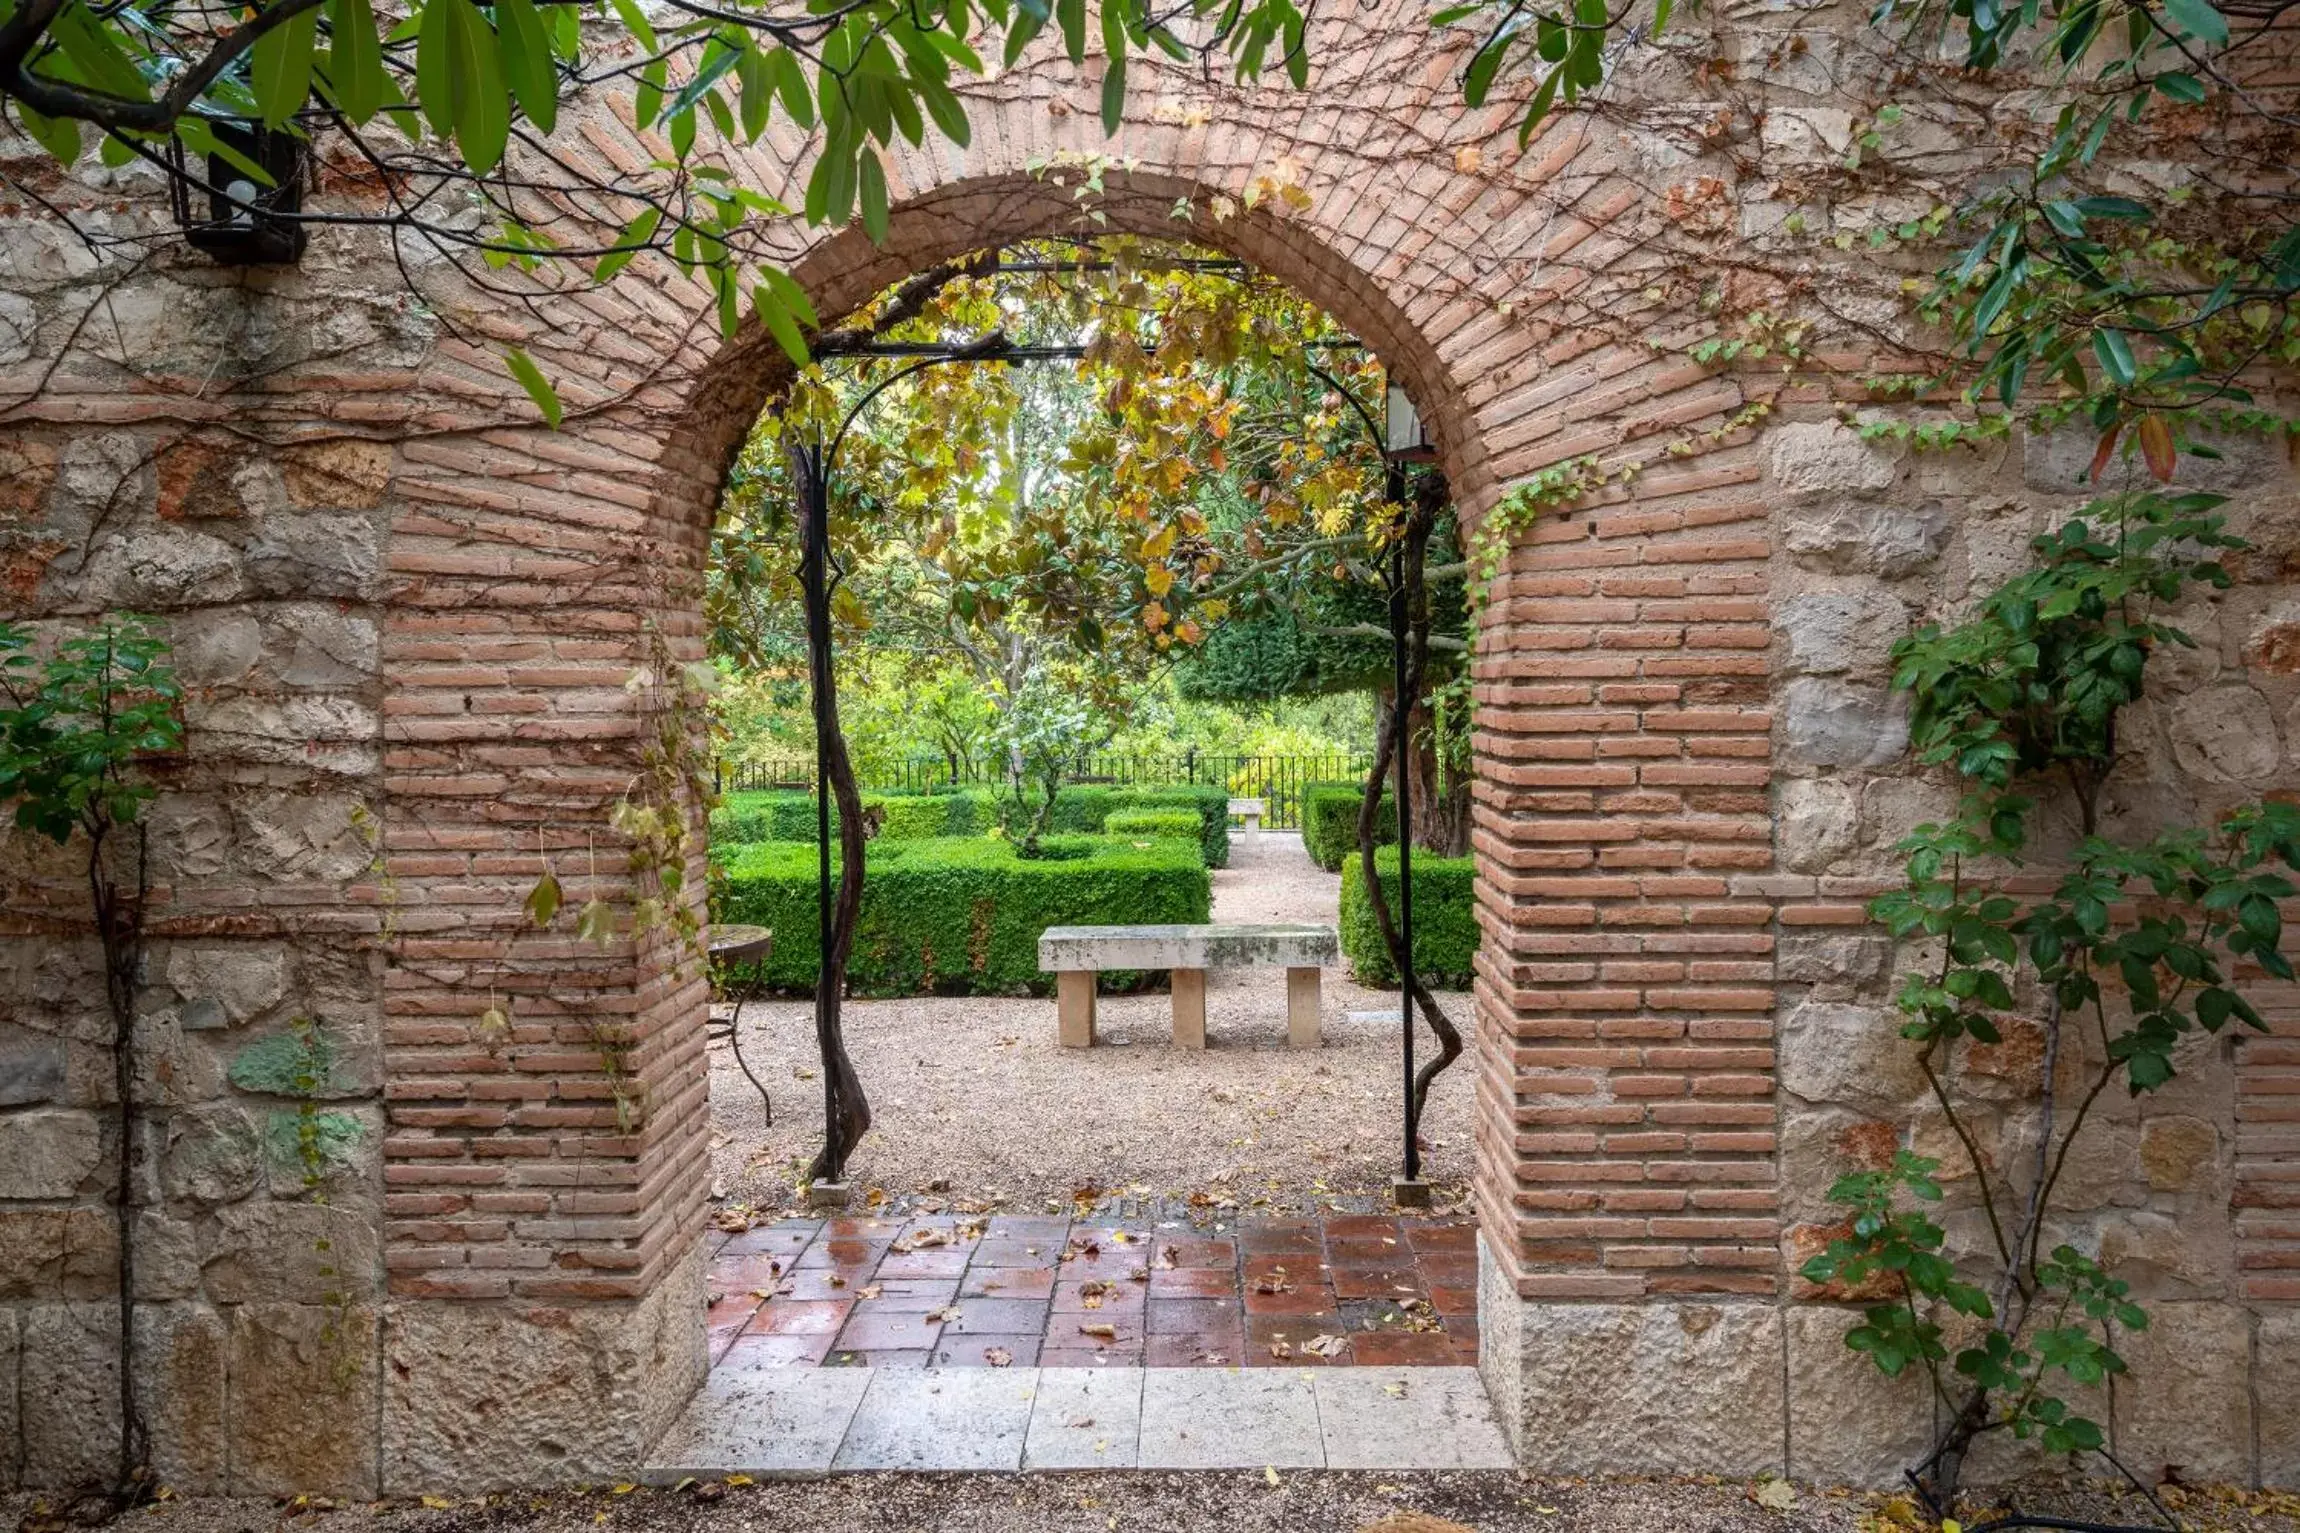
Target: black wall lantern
[{"x": 241, "y": 226}]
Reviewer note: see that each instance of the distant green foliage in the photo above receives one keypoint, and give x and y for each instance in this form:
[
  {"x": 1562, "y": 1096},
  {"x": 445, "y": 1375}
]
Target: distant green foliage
[
  {"x": 1445, "y": 920},
  {"x": 957, "y": 916},
  {"x": 1082, "y": 809},
  {"x": 1330, "y": 822}
]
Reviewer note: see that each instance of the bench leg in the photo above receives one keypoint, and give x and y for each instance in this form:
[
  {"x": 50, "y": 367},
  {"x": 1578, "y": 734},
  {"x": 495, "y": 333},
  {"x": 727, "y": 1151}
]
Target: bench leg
[
  {"x": 1074, "y": 1007},
  {"x": 1189, "y": 1008},
  {"x": 1302, "y": 1000}
]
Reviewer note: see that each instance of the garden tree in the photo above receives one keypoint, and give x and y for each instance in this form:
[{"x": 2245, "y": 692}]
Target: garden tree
[
  {"x": 77, "y": 730},
  {"x": 1311, "y": 632}
]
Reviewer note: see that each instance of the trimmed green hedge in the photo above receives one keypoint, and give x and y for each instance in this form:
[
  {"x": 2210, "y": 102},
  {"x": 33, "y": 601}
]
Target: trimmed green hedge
[
  {"x": 1082, "y": 809},
  {"x": 1156, "y": 824},
  {"x": 956, "y": 916},
  {"x": 1445, "y": 919},
  {"x": 1330, "y": 821}
]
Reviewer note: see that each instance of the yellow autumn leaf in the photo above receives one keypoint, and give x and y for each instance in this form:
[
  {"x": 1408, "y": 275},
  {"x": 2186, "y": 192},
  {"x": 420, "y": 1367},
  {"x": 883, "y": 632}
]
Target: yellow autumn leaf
[{"x": 1159, "y": 579}]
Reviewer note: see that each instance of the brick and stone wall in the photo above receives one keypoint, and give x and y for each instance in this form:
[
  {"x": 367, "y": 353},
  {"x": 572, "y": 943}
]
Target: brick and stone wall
[{"x": 406, "y": 614}]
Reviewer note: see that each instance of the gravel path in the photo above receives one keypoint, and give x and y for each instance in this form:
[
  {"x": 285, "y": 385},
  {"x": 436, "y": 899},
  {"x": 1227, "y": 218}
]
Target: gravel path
[
  {"x": 973, "y": 1100},
  {"x": 1321, "y": 1501}
]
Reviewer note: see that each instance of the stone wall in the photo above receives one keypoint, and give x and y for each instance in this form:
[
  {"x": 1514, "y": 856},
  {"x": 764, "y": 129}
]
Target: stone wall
[{"x": 406, "y": 614}]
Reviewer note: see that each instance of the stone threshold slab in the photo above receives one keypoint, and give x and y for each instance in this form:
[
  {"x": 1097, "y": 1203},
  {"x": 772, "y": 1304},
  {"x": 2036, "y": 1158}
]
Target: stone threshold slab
[{"x": 807, "y": 1422}]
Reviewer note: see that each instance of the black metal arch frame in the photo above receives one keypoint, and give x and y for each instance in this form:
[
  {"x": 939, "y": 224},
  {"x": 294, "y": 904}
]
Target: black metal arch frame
[{"x": 819, "y": 577}]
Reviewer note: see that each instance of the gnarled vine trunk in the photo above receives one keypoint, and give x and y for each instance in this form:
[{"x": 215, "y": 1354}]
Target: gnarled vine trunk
[
  {"x": 846, "y": 1110},
  {"x": 1412, "y": 595}
]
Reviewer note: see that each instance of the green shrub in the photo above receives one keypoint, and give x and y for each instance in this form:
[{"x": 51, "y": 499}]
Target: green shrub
[
  {"x": 1330, "y": 822},
  {"x": 771, "y": 815},
  {"x": 1156, "y": 824},
  {"x": 956, "y": 916},
  {"x": 1445, "y": 920}
]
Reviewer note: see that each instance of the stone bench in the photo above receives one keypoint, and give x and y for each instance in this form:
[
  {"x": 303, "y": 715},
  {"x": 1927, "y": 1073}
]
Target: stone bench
[
  {"x": 1251, "y": 811},
  {"x": 1075, "y": 954}
]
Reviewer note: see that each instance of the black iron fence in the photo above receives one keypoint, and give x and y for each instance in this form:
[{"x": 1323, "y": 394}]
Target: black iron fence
[{"x": 1277, "y": 780}]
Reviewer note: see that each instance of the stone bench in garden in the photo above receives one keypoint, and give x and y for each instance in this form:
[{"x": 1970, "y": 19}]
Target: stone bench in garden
[
  {"x": 1075, "y": 954},
  {"x": 1251, "y": 811}
]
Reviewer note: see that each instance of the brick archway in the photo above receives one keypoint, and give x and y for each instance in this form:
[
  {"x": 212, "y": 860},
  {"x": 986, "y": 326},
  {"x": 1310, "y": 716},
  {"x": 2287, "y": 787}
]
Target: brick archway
[{"x": 1621, "y": 734}]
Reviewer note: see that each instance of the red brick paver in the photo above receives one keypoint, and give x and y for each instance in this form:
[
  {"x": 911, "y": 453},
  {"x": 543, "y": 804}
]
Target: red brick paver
[{"x": 1013, "y": 1290}]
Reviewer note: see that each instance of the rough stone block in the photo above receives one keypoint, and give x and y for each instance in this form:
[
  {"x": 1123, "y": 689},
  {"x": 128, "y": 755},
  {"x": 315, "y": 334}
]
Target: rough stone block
[
  {"x": 483, "y": 1398},
  {"x": 1849, "y": 1055},
  {"x": 1815, "y": 823},
  {"x": 1848, "y": 1423},
  {"x": 301, "y": 835},
  {"x": 216, "y": 648},
  {"x": 1831, "y": 958},
  {"x": 69, "y": 1363},
  {"x": 32, "y": 1066},
  {"x": 159, "y": 567},
  {"x": 2226, "y": 734},
  {"x": 58, "y": 1253},
  {"x": 2276, "y": 1386},
  {"x": 303, "y": 1407},
  {"x": 182, "y": 1368},
  {"x": 267, "y": 1250},
  {"x": 11, "y": 1421},
  {"x": 1662, "y": 1388},
  {"x": 51, "y": 1153},
  {"x": 244, "y": 979},
  {"x": 309, "y": 555},
  {"x": 1831, "y": 632},
  {"x": 1819, "y": 457},
  {"x": 1840, "y": 724},
  {"x": 213, "y": 1154},
  {"x": 2188, "y": 1399},
  {"x": 1857, "y": 537}
]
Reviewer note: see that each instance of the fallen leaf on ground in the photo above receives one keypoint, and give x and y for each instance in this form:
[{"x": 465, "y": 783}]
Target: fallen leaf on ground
[
  {"x": 871, "y": 1290},
  {"x": 1105, "y": 1331},
  {"x": 998, "y": 1357},
  {"x": 942, "y": 1316},
  {"x": 1325, "y": 1346},
  {"x": 1281, "y": 1349},
  {"x": 1774, "y": 1495}
]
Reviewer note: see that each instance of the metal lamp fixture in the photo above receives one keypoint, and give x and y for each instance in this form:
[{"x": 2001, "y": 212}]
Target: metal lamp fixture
[{"x": 243, "y": 226}]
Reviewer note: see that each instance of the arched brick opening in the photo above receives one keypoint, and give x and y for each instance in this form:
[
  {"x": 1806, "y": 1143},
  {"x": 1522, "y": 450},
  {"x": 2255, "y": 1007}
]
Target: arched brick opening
[
  {"x": 400, "y": 596},
  {"x": 1621, "y": 728}
]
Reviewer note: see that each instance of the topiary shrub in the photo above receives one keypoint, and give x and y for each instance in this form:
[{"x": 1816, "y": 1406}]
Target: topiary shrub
[
  {"x": 783, "y": 815},
  {"x": 1330, "y": 822},
  {"x": 1445, "y": 920},
  {"x": 957, "y": 916},
  {"x": 1157, "y": 824}
]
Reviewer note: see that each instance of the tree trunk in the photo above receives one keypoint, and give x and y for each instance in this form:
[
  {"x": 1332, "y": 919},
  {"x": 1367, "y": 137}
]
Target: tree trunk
[{"x": 1441, "y": 801}]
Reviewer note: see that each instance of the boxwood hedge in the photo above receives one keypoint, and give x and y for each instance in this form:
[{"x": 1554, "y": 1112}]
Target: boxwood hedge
[
  {"x": 1082, "y": 809},
  {"x": 1152, "y": 824},
  {"x": 955, "y": 916},
  {"x": 1330, "y": 822},
  {"x": 1445, "y": 919}
]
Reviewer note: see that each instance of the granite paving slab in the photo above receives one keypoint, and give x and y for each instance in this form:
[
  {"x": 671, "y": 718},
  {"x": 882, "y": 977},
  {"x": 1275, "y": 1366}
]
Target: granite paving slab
[
  {"x": 1408, "y": 1418},
  {"x": 761, "y": 1422},
  {"x": 1085, "y": 1418},
  {"x": 1224, "y": 1418},
  {"x": 940, "y": 1418}
]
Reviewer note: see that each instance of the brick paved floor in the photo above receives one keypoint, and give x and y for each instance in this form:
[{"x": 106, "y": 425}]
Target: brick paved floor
[{"x": 1020, "y": 1290}]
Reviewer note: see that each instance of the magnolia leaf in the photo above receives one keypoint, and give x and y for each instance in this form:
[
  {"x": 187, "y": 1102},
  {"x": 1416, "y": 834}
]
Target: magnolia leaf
[{"x": 537, "y": 386}]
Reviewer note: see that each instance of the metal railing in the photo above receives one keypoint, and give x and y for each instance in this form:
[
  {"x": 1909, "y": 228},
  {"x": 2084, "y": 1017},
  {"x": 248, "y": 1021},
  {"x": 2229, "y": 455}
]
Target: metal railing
[{"x": 1277, "y": 780}]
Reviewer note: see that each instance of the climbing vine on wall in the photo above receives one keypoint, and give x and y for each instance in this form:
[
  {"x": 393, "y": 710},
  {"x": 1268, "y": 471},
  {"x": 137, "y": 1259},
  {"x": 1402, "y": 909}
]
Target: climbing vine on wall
[{"x": 2139, "y": 946}]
